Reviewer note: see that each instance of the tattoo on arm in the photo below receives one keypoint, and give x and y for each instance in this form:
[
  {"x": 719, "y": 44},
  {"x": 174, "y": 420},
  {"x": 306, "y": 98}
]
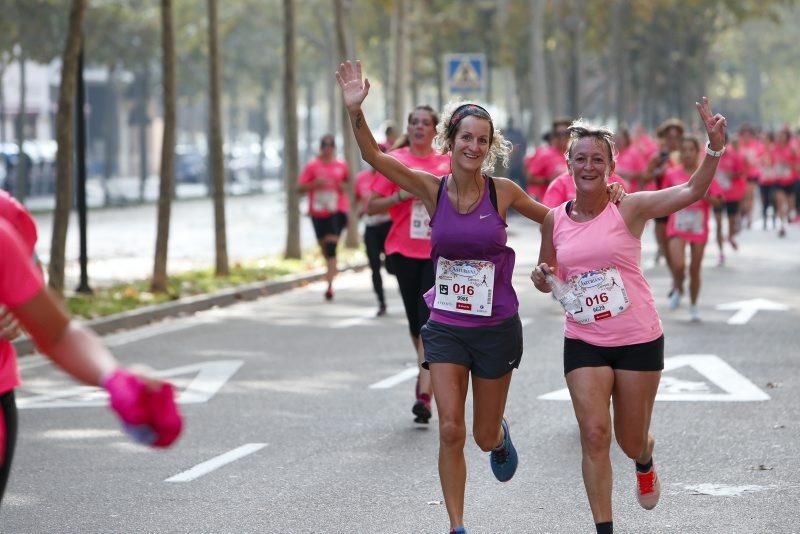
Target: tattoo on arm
[{"x": 359, "y": 120}]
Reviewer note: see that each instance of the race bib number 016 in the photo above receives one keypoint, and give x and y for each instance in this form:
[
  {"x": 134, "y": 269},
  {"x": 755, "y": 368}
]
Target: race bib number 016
[
  {"x": 601, "y": 294},
  {"x": 420, "y": 225},
  {"x": 464, "y": 286}
]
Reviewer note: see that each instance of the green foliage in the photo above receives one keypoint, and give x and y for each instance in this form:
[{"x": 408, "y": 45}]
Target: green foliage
[{"x": 125, "y": 297}]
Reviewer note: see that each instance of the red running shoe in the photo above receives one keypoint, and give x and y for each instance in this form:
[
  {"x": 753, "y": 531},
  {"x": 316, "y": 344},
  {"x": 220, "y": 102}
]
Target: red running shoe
[{"x": 648, "y": 488}]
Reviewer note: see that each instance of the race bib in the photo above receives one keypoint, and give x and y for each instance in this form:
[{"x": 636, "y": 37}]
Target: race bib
[
  {"x": 724, "y": 179},
  {"x": 325, "y": 201},
  {"x": 690, "y": 221},
  {"x": 464, "y": 286},
  {"x": 601, "y": 294},
  {"x": 420, "y": 225}
]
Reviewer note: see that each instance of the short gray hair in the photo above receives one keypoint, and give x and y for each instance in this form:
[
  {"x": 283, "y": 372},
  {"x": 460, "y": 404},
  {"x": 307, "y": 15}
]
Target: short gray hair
[{"x": 580, "y": 129}]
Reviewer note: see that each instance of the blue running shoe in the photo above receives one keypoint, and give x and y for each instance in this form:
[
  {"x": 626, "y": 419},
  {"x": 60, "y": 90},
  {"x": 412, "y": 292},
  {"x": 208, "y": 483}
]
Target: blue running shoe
[
  {"x": 458, "y": 530},
  {"x": 504, "y": 458}
]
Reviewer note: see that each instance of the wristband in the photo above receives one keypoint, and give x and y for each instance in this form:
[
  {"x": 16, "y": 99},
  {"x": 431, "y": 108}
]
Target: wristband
[{"x": 714, "y": 153}]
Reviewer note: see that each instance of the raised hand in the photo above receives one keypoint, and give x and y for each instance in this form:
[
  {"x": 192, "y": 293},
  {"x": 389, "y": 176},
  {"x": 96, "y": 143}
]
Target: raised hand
[
  {"x": 715, "y": 124},
  {"x": 354, "y": 90}
]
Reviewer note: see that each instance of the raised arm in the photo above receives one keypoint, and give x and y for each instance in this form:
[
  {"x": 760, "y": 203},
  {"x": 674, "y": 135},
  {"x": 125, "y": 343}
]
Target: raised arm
[
  {"x": 639, "y": 207},
  {"x": 354, "y": 91}
]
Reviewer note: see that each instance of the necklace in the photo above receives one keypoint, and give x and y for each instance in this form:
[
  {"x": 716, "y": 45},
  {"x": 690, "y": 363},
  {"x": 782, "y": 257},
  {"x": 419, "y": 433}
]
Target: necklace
[{"x": 458, "y": 198}]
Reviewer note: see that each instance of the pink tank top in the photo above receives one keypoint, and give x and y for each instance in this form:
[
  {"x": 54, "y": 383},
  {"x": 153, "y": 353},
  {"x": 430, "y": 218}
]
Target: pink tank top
[{"x": 604, "y": 249}]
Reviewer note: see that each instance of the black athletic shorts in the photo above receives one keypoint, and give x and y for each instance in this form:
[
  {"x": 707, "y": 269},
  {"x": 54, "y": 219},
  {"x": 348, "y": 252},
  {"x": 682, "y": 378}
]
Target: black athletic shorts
[
  {"x": 661, "y": 219},
  {"x": 647, "y": 356},
  {"x": 731, "y": 207},
  {"x": 8, "y": 437},
  {"x": 488, "y": 351},
  {"x": 330, "y": 225}
]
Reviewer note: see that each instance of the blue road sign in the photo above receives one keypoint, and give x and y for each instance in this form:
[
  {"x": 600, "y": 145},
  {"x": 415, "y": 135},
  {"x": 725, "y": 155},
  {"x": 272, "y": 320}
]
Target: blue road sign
[{"x": 465, "y": 73}]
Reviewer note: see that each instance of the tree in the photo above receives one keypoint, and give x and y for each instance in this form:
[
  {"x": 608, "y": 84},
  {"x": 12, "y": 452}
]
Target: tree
[
  {"x": 290, "y": 159},
  {"x": 64, "y": 126},
  {"x": 344, "y": 47},
  {"x": 167, "y": 178},
  {"x": 216, "y": 160}
]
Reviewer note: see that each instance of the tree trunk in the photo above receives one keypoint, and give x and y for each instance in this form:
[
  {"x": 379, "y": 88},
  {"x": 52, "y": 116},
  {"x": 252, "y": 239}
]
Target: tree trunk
[
  {"x": 144, "y": 98},
  {"x": 21, "y": 187},
  {"x": 2, "y": 105},
  {"x": 217, "y": 164},
  {"x": 262, "y": 121},
  {"x": 537, "y": 76},
  {"x": 64, "y": 129},
  {"x": 576, "y": 53},
  {"x": 398, "y": 72},
  {"x": 333, "y": 101},
  {"x": 111, "y": 125},
  {"x": 310, "y": 90},
  {"x": 291, "y": 167},
  {"x": 344, "y": 48},
  {"x": 167, "y": 178}
]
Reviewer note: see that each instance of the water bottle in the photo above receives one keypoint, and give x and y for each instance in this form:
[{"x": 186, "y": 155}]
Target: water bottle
[{"x": 563, "y": 293}]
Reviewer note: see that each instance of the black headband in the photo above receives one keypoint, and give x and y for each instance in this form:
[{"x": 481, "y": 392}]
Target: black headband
[{"x": 465, "y": 110}]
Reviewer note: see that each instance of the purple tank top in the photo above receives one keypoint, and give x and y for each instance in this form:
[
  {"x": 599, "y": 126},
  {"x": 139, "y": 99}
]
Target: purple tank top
[{"x": 478, "y": 235}]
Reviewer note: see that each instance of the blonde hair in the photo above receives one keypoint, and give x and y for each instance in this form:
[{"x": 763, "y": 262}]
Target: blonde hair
[
  {"x": 580, "y": 129},
  {"x": 454, "y": 112}
]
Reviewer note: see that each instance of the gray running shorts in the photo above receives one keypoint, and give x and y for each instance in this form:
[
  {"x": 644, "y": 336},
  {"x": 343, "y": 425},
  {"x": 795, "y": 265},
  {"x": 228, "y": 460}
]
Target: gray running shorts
[{"x": 488, "y": 351}]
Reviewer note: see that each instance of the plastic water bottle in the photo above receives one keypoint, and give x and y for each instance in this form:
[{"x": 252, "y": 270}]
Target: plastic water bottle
[{"x": 563, "y": 293}]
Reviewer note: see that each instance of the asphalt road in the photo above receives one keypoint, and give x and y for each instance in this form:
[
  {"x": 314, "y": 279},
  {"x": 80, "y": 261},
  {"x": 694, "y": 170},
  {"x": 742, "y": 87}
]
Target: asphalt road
[{"x": 282, "y": 385}]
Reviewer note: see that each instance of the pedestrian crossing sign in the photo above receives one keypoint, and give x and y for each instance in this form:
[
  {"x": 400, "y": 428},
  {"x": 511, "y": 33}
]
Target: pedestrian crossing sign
[{"x": 465, "y": 73}]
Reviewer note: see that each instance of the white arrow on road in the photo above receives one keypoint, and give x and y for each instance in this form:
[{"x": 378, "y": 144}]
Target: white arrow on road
[
  {"x": 207, "y": 378},
  {"x": 748, "y": 308},
  {"x": 734, "y": 386}
]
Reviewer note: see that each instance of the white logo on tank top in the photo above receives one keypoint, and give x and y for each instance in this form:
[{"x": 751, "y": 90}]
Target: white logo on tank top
[{"x": 482, "y": 217}]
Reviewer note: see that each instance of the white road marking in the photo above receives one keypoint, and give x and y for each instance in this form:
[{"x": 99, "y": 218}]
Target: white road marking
[
  {"x": 722, "y": 490},
  {"x": 746, "y": 309},
  {"x": 736, "y": 388},
  {"x": 208, "y": 379},
  {"x": 217, "y": 462},
  {"x": 402, "y": 376},
  {"x": 526, "y": 321},
  {"x": 117, "y": 340}
]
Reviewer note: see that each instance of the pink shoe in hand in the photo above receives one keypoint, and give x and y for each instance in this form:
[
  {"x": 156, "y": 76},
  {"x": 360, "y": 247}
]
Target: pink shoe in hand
[{"x": 149, "y": 416}]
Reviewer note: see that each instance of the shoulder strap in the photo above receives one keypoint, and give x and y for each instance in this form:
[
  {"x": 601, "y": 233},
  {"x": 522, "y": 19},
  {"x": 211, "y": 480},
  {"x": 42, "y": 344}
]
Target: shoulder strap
[
  {"x": 441, "y": 186},
  {"x": 568, "y": 207},
  {"x": 493, "y": 193}
]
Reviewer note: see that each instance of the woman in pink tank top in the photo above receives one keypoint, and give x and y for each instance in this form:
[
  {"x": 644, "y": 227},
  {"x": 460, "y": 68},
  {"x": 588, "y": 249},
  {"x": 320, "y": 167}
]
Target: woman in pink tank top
[{"x": 613, "y": 346}]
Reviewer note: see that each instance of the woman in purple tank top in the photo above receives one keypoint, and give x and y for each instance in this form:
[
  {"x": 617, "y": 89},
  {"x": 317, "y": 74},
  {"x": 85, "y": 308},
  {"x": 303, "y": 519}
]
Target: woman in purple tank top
[
  {"x": 474, "y": 328},
  {"x": 613, "y": 340}
]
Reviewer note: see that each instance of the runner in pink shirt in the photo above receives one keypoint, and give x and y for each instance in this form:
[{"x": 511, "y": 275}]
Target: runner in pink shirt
[
  {"x": 324, "y": 178},
  {"x": 408, "y": 244},
  {"x": 783, "y": 160},
  {"x": 689, "y": 225},
  {"x": 732, "y": 179},
  {"x": 670, "y": 133},
  {"x": 631, "y": 162},
  {"x": 752, "y": 148},
  {"x": 145, "y": 405},
  {"x": 613, "y": 340},
  {"x": 376, "y": 229},
  {"x": 548, "y": 162}
]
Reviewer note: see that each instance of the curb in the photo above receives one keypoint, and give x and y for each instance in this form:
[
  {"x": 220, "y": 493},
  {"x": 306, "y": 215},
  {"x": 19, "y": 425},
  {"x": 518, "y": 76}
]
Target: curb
[{"x": 190, "y": 305}]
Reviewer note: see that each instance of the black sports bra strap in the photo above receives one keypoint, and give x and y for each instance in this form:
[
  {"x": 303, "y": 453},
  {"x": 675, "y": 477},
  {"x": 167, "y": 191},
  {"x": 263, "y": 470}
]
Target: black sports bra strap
[
  {"x": 441, "y": 186},
  {"x": 493, "y": 193}
]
